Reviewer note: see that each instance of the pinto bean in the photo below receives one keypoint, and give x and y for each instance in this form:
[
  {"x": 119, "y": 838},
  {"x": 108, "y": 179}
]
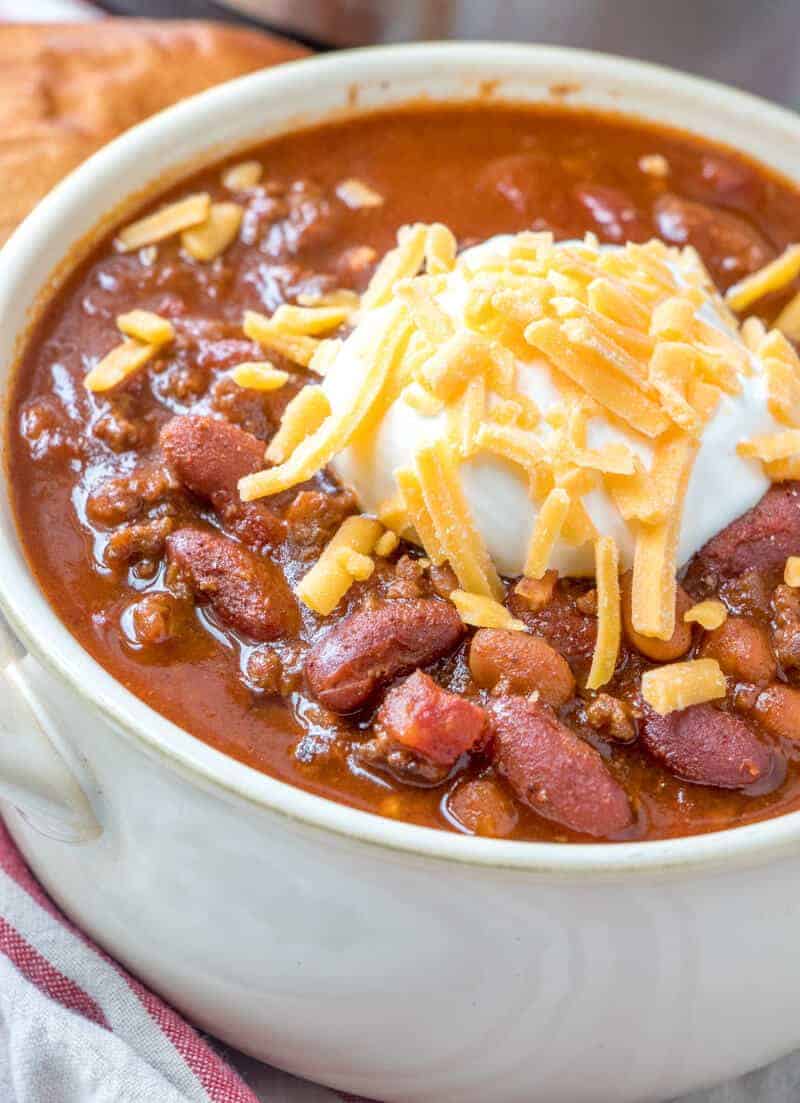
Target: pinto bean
[
  {"x": 209, "y": 456},
  {"x": 660, "y": 651},
  {"x": 423, "y": 718},
  {"x": 724, "y": 239},
  {"x": 370, "y": 647},
  {"x": 246, "y": 591},
  {"x": 778, "y": 711},
  {"x": 705, "y": 745},
  {"x": 741, "y": 647},
  {"x": 762, "y": 538},
  {"x": 482, "y": 807},
  {"x": 527, "y": 663},
  {"x": 554, "y": 772}
]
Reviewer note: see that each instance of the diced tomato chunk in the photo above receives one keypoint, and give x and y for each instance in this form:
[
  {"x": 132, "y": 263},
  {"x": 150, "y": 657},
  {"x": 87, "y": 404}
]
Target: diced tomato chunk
[{"x": 426, "y": 719}]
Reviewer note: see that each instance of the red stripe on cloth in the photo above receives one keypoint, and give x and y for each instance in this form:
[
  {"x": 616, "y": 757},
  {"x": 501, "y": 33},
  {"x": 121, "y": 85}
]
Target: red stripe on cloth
[
  {"x": 46, "y": 977},
  {"x": 220, "y": 1082}
]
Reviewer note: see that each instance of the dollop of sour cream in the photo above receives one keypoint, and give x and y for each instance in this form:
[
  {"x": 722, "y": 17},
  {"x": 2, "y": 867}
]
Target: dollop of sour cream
[{"x": 722, "y": 485}]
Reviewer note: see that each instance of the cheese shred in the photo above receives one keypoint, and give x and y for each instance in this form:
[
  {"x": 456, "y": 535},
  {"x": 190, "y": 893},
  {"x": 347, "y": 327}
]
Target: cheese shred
[
  {"x": 609, "y": 623},
  {"x": 484, "y": 612},
  {"x": 679, "y": 685},
  {"x": 341, "y": 563},
  {"x": 709, "y": 614}
]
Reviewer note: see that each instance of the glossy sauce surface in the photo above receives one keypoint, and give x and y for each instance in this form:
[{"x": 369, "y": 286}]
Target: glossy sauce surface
[{"x": 482, "y": 171}]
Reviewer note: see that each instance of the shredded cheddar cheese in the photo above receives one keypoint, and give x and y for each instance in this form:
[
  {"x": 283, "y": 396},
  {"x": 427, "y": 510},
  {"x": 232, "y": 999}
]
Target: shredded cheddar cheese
[
  {"x": 340, "y": 296},
  {"x": 456, "y": 533},
  {"x": 294, "y": 346},
  {"x": 416, "y": 513},
  {"x": 211, "y": 238},
  {"x": 258, "y": 376},
  {"x": 788, "y": 321},
  {"x": 422, "y": 400},
  {"x": 335, "y": 571},
  {"x": 167, "y": 222},
  {"x": 753, "y": 331},
  {"x": 484, "y": 612},
  {"x": 310, "y": 321},
  {"x": 358, "y": 566},
  {"x": 680, "y": 685},
  {"x": 709, "y": 614},
  {"x": 242, "y": 177},
  {"x": 597, "y": 374},
  {"x": 546, "y": 530},
  {"x": 398, "y": 264},
  {"x": 654, "y": 563},
  {"x": 791, "y": 571},
  {"x": 624, "y": 339},
  {"x": 357, "y": 195},
  {"x": 145, "y": 326},
  {"x": 302, "y": 417},
  {"x": 393, "y": 513},
  {"x": 654, "y": 164},
  {"x": 772, "y": 277},
  {"x": 609, "y": 619},
  {"x": 337, "y": 429},
  {"x": 771, "y": 446},
  {"x": 387, "y": 544},
  {"x": 440, "y": 249},
  {"x": 118, "y": 365}
]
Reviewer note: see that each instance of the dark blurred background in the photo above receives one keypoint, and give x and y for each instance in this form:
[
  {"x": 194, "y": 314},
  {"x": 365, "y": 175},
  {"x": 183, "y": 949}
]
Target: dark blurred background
[{"x": 750, "y": 43}]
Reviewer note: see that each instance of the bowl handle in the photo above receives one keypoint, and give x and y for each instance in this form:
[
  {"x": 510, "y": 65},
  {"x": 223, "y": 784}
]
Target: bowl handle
[{"x": 34, "y": 777}]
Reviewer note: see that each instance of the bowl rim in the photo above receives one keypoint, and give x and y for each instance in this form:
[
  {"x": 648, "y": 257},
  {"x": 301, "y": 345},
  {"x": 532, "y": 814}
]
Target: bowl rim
[{"x": 49, "y": 640}]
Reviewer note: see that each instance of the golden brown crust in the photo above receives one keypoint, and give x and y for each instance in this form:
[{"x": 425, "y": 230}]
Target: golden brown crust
[{"x": 66, "y": 89}]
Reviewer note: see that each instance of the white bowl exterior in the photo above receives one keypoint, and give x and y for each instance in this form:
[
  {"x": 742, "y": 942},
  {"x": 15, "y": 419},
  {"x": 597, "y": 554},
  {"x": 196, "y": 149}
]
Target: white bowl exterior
[{"x": 387, "y": 959}]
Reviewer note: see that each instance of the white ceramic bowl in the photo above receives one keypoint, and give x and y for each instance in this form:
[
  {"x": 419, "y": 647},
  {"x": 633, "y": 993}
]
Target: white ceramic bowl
[{"x": 390, "y": 960}]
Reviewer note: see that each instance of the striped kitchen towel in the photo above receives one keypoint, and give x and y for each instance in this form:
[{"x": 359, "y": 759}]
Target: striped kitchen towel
[{"x": 75, "y": 1027}]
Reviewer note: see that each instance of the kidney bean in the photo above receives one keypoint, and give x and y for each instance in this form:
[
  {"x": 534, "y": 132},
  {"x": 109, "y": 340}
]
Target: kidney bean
[
  {"x": 661, "y": 651},
  {"x": 778, "y": 711},
  {"x": 525, "y": 182},
  {"x": 614, "y": 215},
  {"x": 423, "y": 718},
  {"x": 482, "y": 807},
  {"x": 209, "y": 456},
  {"x": 553, "y": 771},
  {"x": 741, "y": 647},
  {"x": 762, "y": 538},
  {"x": 725, "y": 240},
  {"x": 705, "y": 745},
  {"x": 370, "y": 647},
  {"x": 733, "y": 183},
  {"x": 571, "y": 632},
  {"x": 246, "y": 591},
  {"x": 527, "y": 663}
]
